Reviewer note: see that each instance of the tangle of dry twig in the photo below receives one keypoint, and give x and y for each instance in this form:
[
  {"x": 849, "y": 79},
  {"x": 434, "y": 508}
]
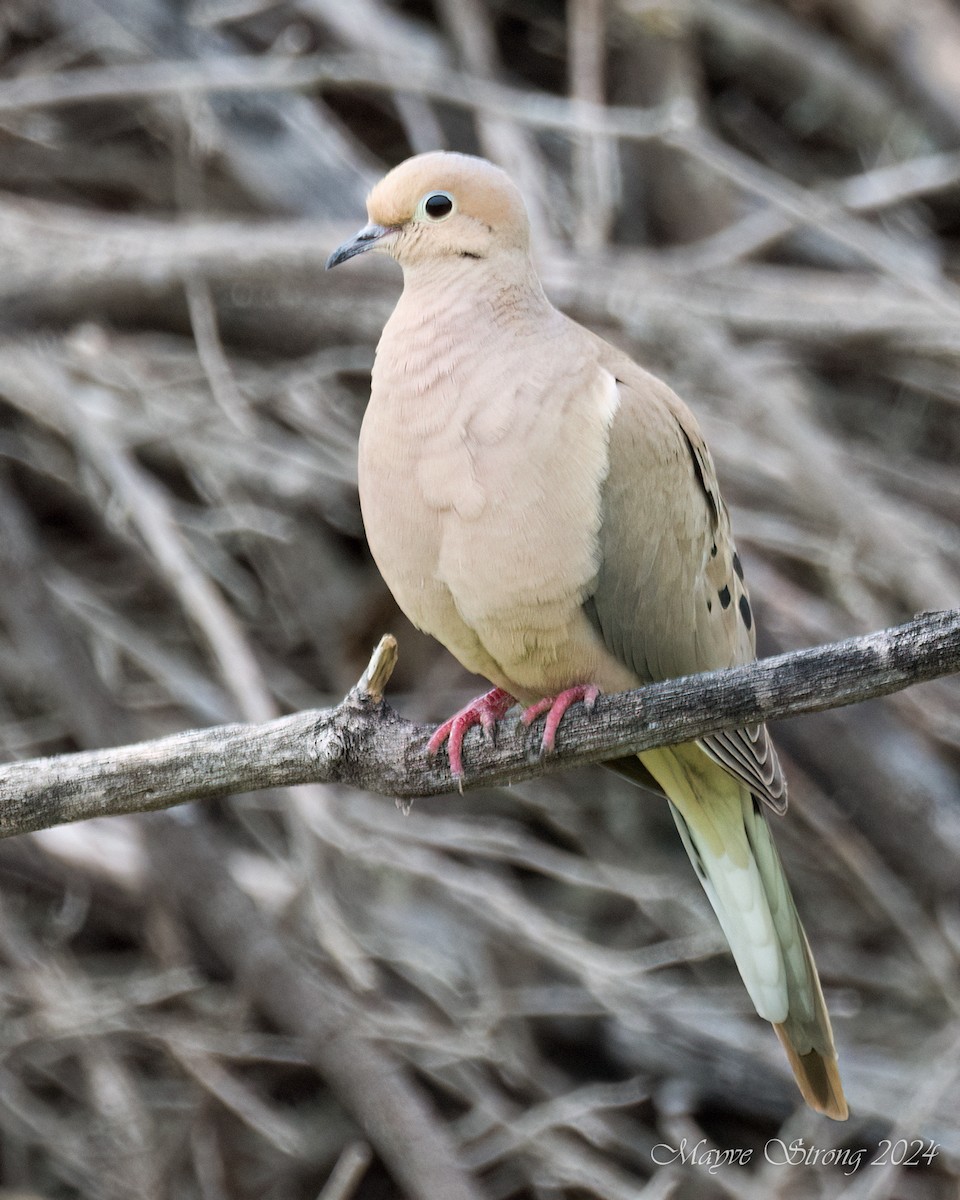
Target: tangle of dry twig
[{"x": 760, "y": 202}]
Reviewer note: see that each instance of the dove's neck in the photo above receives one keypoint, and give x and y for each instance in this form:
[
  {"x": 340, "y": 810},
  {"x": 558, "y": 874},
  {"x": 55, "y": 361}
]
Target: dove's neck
[
  {"x": 456, "y": 314},
  {"x": 466, "y": 293}
]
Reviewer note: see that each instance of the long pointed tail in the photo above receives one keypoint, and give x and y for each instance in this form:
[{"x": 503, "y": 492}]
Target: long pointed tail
[{"x": 730, "y": 845}]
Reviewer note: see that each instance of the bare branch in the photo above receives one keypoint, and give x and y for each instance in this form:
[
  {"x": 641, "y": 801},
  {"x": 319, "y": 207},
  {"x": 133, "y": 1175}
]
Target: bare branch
[
  {"x": 333, "y": 71},
  {"x": 391, "y": 1108},
  {"x": 364, "y": 743},
  {"x": 673, "y": 123}
]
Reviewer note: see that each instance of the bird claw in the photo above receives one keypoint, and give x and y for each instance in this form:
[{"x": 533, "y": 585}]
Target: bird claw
[
  {"x": 555, "y": 707},
  {"x": 485, "y": 711}
]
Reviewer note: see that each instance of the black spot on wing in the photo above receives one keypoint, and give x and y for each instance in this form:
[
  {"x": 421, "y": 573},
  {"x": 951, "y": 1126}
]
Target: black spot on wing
[
  {"x": 698, "y": 470},
  {"x": 745, "y": 611},
  {"x": 738, "y": 567},
  {"x": 724, "y": 595}
]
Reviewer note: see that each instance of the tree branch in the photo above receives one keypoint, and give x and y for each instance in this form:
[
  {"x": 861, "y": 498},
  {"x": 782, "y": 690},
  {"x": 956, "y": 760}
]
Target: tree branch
[
  {"x": 426, "y": 79},
  {"x": 363, "y": 742},
  {"x": 392, "y": 1108}
]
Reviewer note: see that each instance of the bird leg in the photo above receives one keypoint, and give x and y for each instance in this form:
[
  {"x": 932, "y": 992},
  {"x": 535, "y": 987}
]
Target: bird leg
[
  {"x": 485, "y": 711},
  {"x": 556, "y": 706}
]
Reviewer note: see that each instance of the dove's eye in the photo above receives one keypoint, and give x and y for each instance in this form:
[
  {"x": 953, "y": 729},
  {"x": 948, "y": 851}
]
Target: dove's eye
[{"x": 436, "y": 205}]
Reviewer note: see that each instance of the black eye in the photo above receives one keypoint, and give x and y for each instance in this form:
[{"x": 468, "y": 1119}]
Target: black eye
[{"x": 438, "y": 205}]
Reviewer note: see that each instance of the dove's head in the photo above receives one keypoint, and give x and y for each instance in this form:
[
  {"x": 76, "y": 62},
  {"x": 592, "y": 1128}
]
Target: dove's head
[{"x": 441, "y": 206}]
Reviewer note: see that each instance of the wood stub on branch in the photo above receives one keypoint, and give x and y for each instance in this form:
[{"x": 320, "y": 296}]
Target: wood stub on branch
[
  {"x": 364, "y": 743},
  {"x": 374, "y": 680}
]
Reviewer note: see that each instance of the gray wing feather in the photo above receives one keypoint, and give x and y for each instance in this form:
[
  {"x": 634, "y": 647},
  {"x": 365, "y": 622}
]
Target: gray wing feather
[
  {"x": 748, "y": 754},
  {"x": 669, "y": 597}
]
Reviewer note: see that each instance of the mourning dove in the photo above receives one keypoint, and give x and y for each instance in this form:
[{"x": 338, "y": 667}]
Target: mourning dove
[{"x": 549, "y": 511}]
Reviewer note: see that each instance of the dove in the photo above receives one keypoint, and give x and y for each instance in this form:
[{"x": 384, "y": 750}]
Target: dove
[{"x": 549, "y": 511}]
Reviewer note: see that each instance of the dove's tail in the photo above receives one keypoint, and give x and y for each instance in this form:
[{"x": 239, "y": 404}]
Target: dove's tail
[{"x": 730, "y": 845}]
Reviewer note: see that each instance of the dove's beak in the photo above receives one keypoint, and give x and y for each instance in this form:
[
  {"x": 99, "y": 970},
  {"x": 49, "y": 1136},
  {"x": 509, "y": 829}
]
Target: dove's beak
[{"x": 368, "y": 238}]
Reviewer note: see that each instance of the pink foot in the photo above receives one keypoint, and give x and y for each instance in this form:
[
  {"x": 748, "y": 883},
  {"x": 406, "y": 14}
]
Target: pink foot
[
  {"x": 485, "y": 711},
  {"x": 555, "y": 707}
]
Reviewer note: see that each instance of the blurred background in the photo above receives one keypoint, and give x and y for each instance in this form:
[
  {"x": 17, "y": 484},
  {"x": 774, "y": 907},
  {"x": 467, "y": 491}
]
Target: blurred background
[{"x": 264, "y": 996}]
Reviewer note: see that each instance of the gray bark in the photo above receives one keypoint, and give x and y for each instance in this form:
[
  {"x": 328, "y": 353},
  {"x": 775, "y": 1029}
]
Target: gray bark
[{"x": 363, "y": 742}]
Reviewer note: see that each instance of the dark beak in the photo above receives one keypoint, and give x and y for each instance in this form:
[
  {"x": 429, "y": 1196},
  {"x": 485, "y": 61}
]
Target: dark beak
[{"x": 366, "y": 239}]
